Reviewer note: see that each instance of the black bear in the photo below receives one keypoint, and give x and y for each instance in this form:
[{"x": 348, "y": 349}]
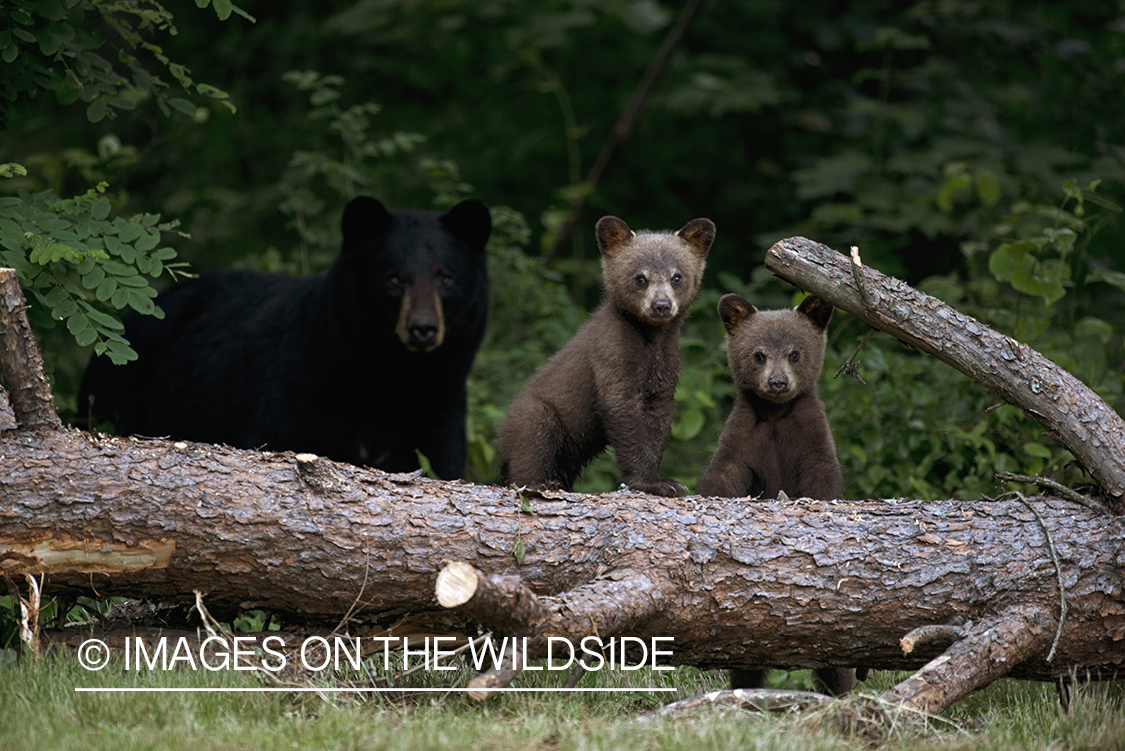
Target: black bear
[
  {"x": 614, "y": 383},
  {"x": 365, "y": 363},
  {"x": 777, "y": 436}
]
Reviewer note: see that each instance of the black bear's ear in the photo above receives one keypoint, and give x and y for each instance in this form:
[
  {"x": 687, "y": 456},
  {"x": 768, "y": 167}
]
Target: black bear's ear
[
  {"x": 612, "y": 233},
  {"x": 364, "y": 219},
  {"x": 818, "y": 311},
  {"x": 470, "y": 222},
  {"x": 733, "y": 310},
  {"x": 699, "y": 234}
]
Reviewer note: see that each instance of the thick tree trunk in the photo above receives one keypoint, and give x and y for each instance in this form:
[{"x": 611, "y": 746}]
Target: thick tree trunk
[
  {"x": 1067, "y": 408},
  {"x": 795, "y": 583},
  {"x": 732, "y": 583}
]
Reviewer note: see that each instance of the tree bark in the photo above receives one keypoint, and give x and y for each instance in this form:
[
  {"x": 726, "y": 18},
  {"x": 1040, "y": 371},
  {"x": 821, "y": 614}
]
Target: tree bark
[
  {"x": 1070, "y": 411},
  {"x": 32, "y": 405},
  {"x": 791, "y": 584},
  {"x": 795, "y": 583}
]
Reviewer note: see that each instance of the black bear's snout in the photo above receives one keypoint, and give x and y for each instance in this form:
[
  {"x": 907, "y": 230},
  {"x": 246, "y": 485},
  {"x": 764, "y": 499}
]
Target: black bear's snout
[
  {"x": 423, "y": 335},
  {"x": 662, "y": 308}
]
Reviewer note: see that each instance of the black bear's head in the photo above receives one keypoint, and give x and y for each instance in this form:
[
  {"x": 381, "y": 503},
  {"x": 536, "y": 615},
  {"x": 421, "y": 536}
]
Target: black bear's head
[
  {"x": 776, "y": 355},
  {"x": 425, "y": 271},
  {"x": 653, "y": 276}
]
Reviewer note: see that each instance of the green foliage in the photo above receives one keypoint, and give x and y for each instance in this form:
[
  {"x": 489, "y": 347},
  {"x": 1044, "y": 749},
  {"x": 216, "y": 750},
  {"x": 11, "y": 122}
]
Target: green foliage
[
  {"x": 54, "y": 45},
  {"x": 323, "y": 179},
  {"x": 77, "y": 265},
  {"x": 921, "y": 429}
]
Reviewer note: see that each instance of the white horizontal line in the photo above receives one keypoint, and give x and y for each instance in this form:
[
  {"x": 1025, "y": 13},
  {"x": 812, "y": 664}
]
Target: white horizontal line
[{"x": 273, "y": 689}]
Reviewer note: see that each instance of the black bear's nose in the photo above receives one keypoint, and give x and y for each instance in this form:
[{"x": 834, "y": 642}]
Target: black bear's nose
[
  {"x": 423, "y": 333},
  {"x": 661, "y": 307},
  {"x": 778, "y": 384}
]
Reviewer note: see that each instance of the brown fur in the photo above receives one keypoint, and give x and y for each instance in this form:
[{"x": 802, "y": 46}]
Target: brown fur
[
  {"x": 614, "y": 382},
  {"x": 777, "y": 436}
]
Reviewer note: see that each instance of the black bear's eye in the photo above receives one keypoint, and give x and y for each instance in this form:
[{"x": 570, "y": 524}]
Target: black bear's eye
[
  {"x": 676, "y": 279},
  {"x": 393, "y": 281},
  {"x": 794, "y": 356},
  {"x": 445, "y": 281},
  {"x": 640, "y": 280},
  {"x": 759, "y": 358}
]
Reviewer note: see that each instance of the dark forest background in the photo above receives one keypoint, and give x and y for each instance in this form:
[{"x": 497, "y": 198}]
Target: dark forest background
[{"x": 974, "y": 148}]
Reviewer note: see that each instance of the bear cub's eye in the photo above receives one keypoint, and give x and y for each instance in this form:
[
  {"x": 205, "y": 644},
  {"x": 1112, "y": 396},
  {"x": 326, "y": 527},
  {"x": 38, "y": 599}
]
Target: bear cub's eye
[
  {"x": 640, "y": 280},
  {"x": 759, "y": 357},
  {"x": 676, "y": 279},
  {"x": 794, "y": 356}
]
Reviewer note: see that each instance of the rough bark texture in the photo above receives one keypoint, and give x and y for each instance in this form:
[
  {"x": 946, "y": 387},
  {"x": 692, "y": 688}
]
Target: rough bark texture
[
  {"x": 796, "y": 583},
  {"x": 32, "y": 404},
  {"x": 1071, "y": 412}
]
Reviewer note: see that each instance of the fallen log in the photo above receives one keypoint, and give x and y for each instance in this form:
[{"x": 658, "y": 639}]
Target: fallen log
[{"x": 793, "y": 583}]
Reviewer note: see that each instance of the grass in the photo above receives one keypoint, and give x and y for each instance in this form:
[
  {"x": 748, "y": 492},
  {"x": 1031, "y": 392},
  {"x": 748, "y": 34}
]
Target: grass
[{"x": 39, "y": 709}]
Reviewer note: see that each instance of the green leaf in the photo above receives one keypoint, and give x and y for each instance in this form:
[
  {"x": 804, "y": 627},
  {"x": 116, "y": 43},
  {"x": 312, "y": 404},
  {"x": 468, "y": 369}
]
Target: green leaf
[
  {"x": 1037, "y": 450},
  {"x": 988, "y": 187},
  {"x": 103, "y": 319},
  {"x": 120, "y": 353},
  {"x": 141, "y": 303},
  {"x": 147, "y": 242},
  {"x": 689, "y": 425},
  {"x": 1095, "y": 328},
  {"x": 184, "y": 106},
  {"x": 96, "y": 111},
  {"x": 100, "y": 209},
  {"x": 106, "y": 289},
  {"x": 1109, "y": 276},
  {"x": 86, "y": 337},
  {"x": 77, "y": 323},
  {"x": 1003, "y": 263},
  {"x": 66, "y": 309},
  {"x": 94, "y": 278},
  {"x": 130, "y": 232}
]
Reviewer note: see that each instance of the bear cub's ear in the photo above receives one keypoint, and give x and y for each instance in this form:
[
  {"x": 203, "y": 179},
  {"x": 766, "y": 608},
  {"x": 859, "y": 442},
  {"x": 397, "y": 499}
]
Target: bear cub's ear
[
  {"x": 816, "y": 310},
  {"x": 364, "y": 219},
  {"x": 612, "y": 233},
  {"x": 470, "y": 222},
  {"x": 699, "y": 234},
  {"x": 733, "y": 310}
]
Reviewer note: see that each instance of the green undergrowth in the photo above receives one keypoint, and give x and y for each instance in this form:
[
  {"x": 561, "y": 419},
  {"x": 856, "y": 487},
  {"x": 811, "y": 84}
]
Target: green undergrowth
[{"x": 42, "y": 710}]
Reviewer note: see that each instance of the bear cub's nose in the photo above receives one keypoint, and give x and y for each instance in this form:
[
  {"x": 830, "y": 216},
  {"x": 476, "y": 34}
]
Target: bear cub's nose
[
  {"x": 662, "y": 308},
  {"x": 778, "y": 384}
]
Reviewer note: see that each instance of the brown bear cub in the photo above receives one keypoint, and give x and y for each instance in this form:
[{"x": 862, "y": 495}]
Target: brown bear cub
[
  {"x": 777, "y": 437},
  {"x": 614, "y": 382}
]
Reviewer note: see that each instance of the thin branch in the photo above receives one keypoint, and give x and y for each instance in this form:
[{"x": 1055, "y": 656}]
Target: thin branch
[
  {"x": 849, "y": 366},
  {"x": 1058, "y": 573},
  {"x": 623, "y": 129},
  {"x": 1049, "y": 484}
]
